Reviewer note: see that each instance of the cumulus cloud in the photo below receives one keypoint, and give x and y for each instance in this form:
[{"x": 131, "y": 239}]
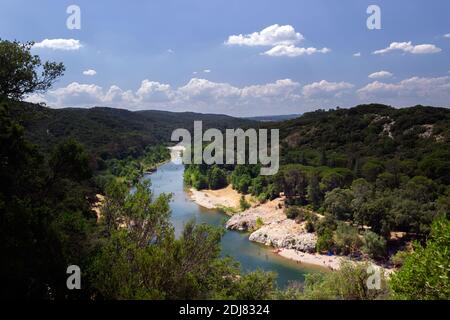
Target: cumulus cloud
[
  {"x": 76, "y": 94},
  {"x": 408, "y": 47},
  {"x": 293, "y": 51},
  {"x": 447, "y": 35},
  {"x": 59, "y": 44},
  {"x": 380, "y": 75},
  {"x": 415, "y": 90},
  {"x": 325, "y": 88},
  {"x": 90, "y": 72},
  {"x": 36, "y": 98},
  {"x": 153, "y": 91},
  {"x": 357, "y": 54},
  {"x": 207, "y": 71},
  {"x": 282, "y": 39},
  {"x": 270, "y": 36},
  {"x": 202, "y": 95}
]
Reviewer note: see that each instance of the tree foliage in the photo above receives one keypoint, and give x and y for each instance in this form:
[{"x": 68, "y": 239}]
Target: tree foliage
[
  {"x": 22, "y": 73},
  {"x": 425, "y": 274}
]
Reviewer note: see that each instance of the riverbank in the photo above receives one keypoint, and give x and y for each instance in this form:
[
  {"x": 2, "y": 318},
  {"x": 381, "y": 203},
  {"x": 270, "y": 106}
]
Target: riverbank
[
  {"x": 330, "y": 262},
  {"x": 267, "y": 224},
  {"x": 226, "y": 199}
]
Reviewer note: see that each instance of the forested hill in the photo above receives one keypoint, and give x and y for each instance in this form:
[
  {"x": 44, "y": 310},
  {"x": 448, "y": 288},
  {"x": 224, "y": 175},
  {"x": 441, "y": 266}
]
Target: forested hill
[
  {"x": 109, "y": 132},
  {"x": 371, "y": 134}
]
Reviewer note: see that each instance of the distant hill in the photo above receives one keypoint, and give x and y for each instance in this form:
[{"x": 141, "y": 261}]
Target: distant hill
[
  {"x": 274, "y": 118},
  {"x": 108, "y": 132},
  {"x": 418, "y": 136}
]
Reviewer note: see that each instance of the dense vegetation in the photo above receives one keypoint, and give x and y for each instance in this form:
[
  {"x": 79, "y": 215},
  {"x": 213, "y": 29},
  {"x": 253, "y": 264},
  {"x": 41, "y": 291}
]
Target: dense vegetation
[{"x": 107, "y": 132}]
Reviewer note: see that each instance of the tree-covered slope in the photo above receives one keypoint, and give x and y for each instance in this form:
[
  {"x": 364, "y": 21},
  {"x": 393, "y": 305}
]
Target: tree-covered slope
[
  {"x": 108, "y": 132},
  {"x": 418, "y": 137}
]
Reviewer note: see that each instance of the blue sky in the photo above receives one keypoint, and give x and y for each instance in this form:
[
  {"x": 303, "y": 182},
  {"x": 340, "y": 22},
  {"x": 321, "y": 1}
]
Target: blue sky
[{"x": 285, "y": 56}]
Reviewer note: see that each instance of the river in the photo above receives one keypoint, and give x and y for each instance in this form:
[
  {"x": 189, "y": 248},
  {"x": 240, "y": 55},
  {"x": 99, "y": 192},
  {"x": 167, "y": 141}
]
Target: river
[{"x": 169, "y": 179}]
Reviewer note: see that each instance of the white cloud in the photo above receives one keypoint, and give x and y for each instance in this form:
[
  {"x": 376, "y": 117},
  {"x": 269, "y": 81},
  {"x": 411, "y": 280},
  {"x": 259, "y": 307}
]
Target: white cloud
[
  {"x": 170, "y": 51},
  {"x": 412, "y": 91},
  {"x": 357, "y": 54},
  {"x": 90, "y": 72},
  {"x": 380, "y": 75},
  {"x": 36, "y": 98},
  {"x": 277, "y": 97},
  {"x": 408, "y": 47},
  {"x": 153, "y": 91},
  {"x": 270, "y": 36},
  {"x": 325, "y": 88},
  {"x": 59, "y": 44},
  {"x": 293, "y": 51},
  {"x": 201, "y": 95},
  {"x": 76, "y": 94},
  {"x": 207, "y": 71},
  {"x": 447, "y": 35},
  {"x": 203, "y": 90}
]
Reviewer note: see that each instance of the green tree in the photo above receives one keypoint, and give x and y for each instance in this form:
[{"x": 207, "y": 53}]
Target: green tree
[
  {"x": 292, "y": 212},
  {"x": 374, "y": 245},
  {"x": 243, "y": 204},
  {"x": 217, "y": 178},
  {"x": 325, "y": 241},
  {"x": 346, "y": 238},
  {"x": 371, "y": 170},
  {"x": 70, "y": 160},
  {"x": 22, "y": 73},
  {"x": 314, "y": 195},
  {"x": 338, "y": 203},
  {"x": 425, "y": 274}
]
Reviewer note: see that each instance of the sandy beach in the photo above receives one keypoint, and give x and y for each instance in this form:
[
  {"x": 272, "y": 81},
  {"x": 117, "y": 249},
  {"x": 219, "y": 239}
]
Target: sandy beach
[
  {"x": 330, "y": 262},
  {"x": 212, "y": 199}
]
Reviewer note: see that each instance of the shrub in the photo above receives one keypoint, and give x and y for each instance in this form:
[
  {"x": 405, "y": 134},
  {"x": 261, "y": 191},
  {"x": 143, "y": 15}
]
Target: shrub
[
  {"x": 244, "y": 204},
  {"x": 347, "y": 283},
  {"x": 338, "y": 203},
  {"x": 325, "y": 241},
  {"x": 259, "y": 223},
  {"x": 374, "y": 245},
  {"x": 425, "y": 273},
  {"x": 346, "y": 238},
  {"x": 292, "y": 212},
  {"x": 398, "y": 259},
  {"x": 309, "y": 226}
]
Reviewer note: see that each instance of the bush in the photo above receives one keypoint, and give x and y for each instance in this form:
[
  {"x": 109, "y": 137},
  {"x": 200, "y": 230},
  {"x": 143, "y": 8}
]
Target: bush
[
  {"x": 347, "y": 239},
  {"x": 399, "y": 258},
  {"x": 374, "y": 245},
  {"x": 292, "y": 212},
  {"x": 259, "y": 223},
  {"x": 309, "y": 226},
  {"x": 217, "y": 178},
  {"x": 338, "y": 203},
  {"x": 425, "y": 273},
  {"x": 347, "y": 283},
  {"x": 325, "y": 241},
  {"x": 244, "y": 204}
]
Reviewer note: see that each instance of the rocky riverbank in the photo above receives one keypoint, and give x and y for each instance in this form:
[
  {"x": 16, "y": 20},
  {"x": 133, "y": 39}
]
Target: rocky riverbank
[{"x": 269, "y": 226}]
